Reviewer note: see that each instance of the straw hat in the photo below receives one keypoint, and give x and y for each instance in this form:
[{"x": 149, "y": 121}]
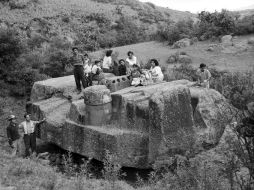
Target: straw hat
[{"x": 11, "y": 117}]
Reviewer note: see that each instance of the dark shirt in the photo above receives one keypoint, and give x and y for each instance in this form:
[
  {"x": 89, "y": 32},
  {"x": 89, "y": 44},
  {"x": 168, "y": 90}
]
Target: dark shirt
[
  {"x": 76, "y": 60},
  {"x": 122, "y": 70},
  {"x": 12, "y": 132}
]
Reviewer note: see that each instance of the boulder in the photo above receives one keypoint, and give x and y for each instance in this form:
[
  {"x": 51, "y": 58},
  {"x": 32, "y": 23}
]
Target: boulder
[
  {"x": 251, "y": 41},
  {"x": 137, "y": 124},
  {"x": 186, "y": 59},
  {"x": 97, "y": 95},
  {"x": 182, "y": 43},
  {"x": 227, "y": 40},
  {"x": 171, "y": 129}
]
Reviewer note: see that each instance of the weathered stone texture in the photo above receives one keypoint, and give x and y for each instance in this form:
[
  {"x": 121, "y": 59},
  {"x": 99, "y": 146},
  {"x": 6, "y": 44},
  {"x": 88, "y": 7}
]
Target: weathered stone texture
[{"x": 97, "y": 95}]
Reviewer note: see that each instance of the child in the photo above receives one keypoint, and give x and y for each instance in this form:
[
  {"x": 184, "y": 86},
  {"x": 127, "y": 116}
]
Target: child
[
  {"x": 96, "y": 71},
  {"x": 88, "y": 71},
  {"x": 135, "y": 76}
]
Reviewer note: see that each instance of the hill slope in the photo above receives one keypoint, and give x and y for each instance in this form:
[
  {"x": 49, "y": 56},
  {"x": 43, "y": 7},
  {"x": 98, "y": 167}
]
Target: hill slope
[{"x": 65, "y": 17}]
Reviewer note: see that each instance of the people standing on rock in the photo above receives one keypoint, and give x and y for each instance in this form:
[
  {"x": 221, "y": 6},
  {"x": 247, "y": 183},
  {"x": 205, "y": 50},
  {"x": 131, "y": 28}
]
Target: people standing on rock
[
  {"x": 13, "y": 135},
  {"x": 29, "y": 127},
  {"x": 77, "y": 61},
  {"x": 156, "y": 73},
  {"x": 107, "y": 62},
  {"x": 97, "y": 71},
  {"x": 204, "y": 76},
  {"x": 122, "y": 68}
]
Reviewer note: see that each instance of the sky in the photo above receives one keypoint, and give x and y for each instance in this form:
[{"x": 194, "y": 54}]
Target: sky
[{"x": 200, "y": 5}]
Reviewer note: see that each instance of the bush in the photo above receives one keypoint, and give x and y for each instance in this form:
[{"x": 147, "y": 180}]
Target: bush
[{"x": 173, "y": 32}]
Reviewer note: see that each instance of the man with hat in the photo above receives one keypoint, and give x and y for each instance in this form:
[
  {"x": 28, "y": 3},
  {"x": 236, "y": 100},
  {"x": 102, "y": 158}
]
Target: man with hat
[
  {"x": 29, "y": 133},
  {"x": 13, "y": 134},
  {"x": 204, "y": 76}
]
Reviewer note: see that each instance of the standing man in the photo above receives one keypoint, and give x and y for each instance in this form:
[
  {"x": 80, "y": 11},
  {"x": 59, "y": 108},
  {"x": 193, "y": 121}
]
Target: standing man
[
  {"x": 29, "y": 133},
  {"x": 77, "y": 61},
  {"x": 13, "y": 135},
  {"x": 204, "y": 76}
]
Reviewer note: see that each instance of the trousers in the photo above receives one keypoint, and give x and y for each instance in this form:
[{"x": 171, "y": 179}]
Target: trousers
[
  {"x": 79, "y": 77},
  {"x": 30, "y": 143}
]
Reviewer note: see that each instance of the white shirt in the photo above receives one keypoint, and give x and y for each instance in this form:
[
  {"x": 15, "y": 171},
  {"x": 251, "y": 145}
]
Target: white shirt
[
  {"x": 88, "y": 68},
  {"x": 157, "y": 73},
  {"x": 107, "y": 62},
  {"x": 95, "y": 68},
  {"x": 29, "y": 127},
  {"x": 132, "y": 61}
]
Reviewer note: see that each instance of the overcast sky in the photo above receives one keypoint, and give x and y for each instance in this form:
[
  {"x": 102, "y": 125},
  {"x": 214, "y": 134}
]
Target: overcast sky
[{"x": 199, "y": 5}]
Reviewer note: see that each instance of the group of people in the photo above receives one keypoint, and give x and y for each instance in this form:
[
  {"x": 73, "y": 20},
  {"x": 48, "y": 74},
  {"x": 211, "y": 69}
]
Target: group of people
[
  {"x": 25, "y": 130},
  {"x": 85, "y": 71}
]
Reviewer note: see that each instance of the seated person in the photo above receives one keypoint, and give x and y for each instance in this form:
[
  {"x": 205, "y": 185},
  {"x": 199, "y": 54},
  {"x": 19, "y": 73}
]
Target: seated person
[
  {"x": 156, "y": 72},
  {"x": 136, "y": 75},
  {"x": 97, "y": 71},
  {"x": 88, "y": 72},
  {"x": 115, "y": 68},
  {"x": 122, "y": 68},
  {"x": 107, "y": 62}
]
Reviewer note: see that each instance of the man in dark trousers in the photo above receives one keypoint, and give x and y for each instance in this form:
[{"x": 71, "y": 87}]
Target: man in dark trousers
[
  {"x": 29, "y": 133},
  {"x": 13, "y": 134},
  {"x": 77, "y": 61}
]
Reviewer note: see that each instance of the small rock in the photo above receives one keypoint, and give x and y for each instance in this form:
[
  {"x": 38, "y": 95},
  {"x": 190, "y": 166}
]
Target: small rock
[
  {"x": 251, "y": 41},
  {"x": 227, "y": 40},
  {"x": 182, "y": 43}
]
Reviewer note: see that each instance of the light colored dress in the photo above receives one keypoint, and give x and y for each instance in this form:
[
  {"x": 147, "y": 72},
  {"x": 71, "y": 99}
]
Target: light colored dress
[{"x": 157, "y": 74}]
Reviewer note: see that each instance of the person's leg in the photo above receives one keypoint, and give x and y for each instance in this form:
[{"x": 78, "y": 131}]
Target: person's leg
[
  {"x": 27, "y": 145},
  {"x": 15, "y": 148},
  {"x": 33, "y": 142},
  {"x": 82, "y": 77},
  {"x": 76, "y": 76}
]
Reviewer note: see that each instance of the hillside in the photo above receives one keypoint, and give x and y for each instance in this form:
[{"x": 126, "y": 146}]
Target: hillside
[{"x": 66, "y": 18}]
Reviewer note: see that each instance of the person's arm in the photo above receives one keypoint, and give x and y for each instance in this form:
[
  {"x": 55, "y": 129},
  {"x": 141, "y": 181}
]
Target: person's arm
[
  {"x": 83, "y": 59},
  {"x": 209, "y": 75},
  {"x": 40, "y": 121}
]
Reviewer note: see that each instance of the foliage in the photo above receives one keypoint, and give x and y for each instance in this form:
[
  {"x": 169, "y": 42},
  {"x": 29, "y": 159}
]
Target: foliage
[
  {"x": 216, "y": 24},
  {"x": 173, "y": 32}
]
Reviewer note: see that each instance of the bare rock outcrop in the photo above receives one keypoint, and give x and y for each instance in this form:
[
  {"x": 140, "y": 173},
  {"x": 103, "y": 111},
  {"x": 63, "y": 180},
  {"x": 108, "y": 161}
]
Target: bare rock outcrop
[{"x": 140, "y": 125}]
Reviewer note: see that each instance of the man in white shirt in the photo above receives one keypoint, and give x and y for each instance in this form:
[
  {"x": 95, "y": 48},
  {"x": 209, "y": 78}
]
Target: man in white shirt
[
  {"x": 29, "y": 133},
  {"x": 204, "y": 76}
]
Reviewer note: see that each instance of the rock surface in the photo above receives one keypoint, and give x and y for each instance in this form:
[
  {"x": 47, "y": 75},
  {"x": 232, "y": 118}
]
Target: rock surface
[
  {"x": 139, "y": 126},
  {"x": 182, "y": 43},
  {"x": 97, "y": 95},
  {"x": 227, "y": 40}
]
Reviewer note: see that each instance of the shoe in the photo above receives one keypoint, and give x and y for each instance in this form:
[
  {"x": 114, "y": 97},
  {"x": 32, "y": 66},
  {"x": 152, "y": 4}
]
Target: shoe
[{"x": 79, "y": 91}]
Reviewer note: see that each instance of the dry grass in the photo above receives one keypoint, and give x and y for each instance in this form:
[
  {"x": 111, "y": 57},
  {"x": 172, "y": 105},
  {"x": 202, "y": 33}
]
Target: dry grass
[{"x": 241, "y": 61}]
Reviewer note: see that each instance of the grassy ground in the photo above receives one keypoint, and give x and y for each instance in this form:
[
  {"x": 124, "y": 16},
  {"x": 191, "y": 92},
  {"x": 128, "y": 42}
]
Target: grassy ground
[{"x": 231, "y": 58}]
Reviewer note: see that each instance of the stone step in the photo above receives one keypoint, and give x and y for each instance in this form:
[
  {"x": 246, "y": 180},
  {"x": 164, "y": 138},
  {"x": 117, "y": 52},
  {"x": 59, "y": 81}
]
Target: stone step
[{"x": 130, "y": 147}]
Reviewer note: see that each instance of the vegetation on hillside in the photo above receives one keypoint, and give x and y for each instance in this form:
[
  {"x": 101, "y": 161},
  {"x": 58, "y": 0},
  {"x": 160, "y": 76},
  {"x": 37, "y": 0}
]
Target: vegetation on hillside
[{"x": 209, "y": 26}]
